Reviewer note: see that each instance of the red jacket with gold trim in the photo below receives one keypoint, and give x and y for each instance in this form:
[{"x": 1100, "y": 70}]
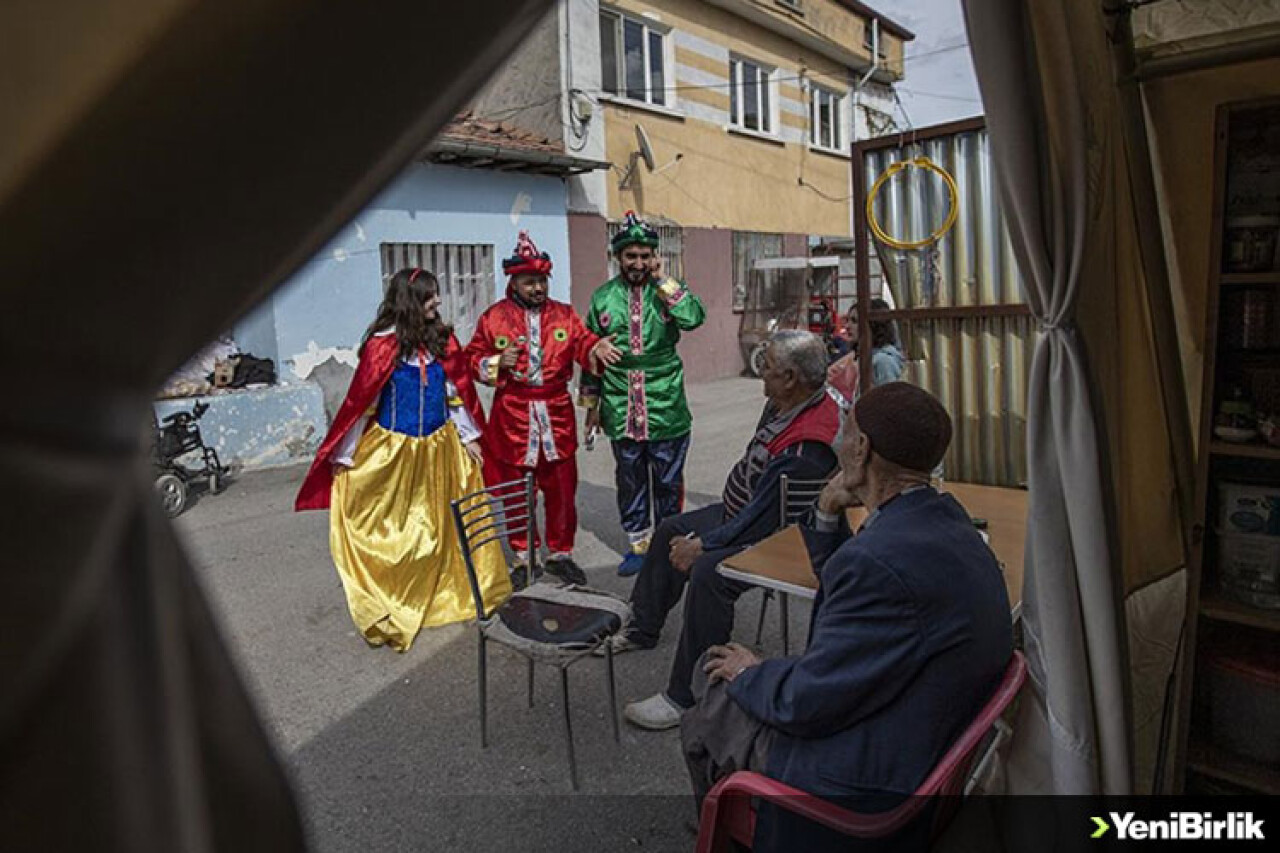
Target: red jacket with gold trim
[{"x": 532, "y": 412}]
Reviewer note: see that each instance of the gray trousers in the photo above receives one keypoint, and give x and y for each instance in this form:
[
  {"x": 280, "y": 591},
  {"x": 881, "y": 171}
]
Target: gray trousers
[{"x": 718, "y": 737}]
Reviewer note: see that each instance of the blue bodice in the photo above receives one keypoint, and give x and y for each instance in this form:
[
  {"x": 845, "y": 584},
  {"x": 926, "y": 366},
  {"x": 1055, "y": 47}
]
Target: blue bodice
[{"x": 407, "y": 406}]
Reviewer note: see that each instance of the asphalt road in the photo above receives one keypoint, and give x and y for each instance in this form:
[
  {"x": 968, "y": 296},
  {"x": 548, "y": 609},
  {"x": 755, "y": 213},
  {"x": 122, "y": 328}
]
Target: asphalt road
[{"x": 384, "y": 747}]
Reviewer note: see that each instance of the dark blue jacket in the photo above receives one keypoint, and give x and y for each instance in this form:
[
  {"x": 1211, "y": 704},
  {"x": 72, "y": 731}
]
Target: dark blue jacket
[
  {"x": 910, "y": 634},
  {"x": 805, "y": 460}
]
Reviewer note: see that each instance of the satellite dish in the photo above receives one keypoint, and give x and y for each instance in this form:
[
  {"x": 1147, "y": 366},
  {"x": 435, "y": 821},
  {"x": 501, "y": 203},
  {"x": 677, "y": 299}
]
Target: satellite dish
[
  {"x": 644, "y": 151},
  {"x": 646, "y": 148}
]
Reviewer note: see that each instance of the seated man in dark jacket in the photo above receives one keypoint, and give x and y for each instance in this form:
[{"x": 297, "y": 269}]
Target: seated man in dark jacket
[
  {"x": 910, "y": 634},
  {"x": 794, "y": 438}
]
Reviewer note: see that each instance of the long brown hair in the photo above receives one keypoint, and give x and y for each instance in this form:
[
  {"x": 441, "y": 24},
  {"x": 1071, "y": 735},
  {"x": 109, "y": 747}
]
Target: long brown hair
[
  {"x": 883, "y": 332},
  {"x": 401, "y": 309}
]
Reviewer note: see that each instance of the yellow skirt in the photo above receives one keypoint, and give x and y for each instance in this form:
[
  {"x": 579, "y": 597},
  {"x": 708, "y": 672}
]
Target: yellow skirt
[{"x": 393, "y": 541}]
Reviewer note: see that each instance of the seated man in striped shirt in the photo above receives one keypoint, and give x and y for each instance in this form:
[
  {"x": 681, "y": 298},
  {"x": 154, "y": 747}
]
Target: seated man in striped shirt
[{"x": 794, "y": 437}]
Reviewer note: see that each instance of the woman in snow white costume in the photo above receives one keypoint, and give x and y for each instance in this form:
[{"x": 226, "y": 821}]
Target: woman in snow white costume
[{"x": 403, "y": 445}]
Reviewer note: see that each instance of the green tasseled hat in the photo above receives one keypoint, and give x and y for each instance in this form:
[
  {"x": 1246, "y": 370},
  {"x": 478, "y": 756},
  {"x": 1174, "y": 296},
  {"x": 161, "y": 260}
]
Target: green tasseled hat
[{"x": 635, "y": 231}]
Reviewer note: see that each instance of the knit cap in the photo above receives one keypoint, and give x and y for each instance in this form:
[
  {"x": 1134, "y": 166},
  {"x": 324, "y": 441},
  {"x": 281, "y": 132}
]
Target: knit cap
[{"x": 905, "y": 425}]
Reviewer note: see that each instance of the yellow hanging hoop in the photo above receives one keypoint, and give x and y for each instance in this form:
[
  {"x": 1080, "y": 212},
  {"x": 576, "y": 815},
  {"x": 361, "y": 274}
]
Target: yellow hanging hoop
[{"x": 894, "y": 168}]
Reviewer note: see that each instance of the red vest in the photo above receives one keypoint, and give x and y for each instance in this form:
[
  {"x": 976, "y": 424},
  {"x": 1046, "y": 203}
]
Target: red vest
[{"x": 819, "y": 422}]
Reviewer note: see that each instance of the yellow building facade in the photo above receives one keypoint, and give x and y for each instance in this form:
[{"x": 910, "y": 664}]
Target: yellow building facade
[{"x": 745, "y": 108}]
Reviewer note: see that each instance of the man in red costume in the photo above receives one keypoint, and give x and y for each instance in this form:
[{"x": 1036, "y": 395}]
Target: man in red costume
[{"x": 525, "y": 346}]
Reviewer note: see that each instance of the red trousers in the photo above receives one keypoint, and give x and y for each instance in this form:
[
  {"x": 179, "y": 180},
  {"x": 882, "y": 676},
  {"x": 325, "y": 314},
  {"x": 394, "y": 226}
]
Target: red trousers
[{"x": 558, "y": 482}]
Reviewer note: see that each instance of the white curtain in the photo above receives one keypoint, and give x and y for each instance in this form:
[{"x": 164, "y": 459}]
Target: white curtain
[{"x": 1040, "y": 66}]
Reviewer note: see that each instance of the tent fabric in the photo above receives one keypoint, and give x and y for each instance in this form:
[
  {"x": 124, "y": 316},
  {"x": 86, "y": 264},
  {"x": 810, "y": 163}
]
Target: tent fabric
[
  {"x": 1154, "y": 615},
  {"x": 123, "y": 724},
  {"x": 169, "y": 195},
  {"x": 1037, "y": 69},
  {"x": 1165, "y": 25},
  {"x": 1101, "y": 443},
  {"x": 1181, "y": 111}
]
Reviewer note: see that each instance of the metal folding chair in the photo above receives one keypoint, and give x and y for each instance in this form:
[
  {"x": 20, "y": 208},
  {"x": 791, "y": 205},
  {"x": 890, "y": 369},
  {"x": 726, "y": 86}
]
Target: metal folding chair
[
  {"x": 557, "y": 625},
  {"x": 796, "y": 497}
]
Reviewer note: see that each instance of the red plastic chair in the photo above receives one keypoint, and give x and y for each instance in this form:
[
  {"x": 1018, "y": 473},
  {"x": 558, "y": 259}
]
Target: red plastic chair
[{"x": 728, "y": 812}]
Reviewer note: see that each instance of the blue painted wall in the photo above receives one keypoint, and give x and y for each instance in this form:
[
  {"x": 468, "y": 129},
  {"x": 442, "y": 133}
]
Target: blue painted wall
[
  {"x": 331, "y": 301},
  {"x": 262, "y": 428}
]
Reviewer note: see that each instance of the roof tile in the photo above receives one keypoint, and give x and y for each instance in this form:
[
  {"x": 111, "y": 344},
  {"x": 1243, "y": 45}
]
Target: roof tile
[{"x": 468, "y": 127}]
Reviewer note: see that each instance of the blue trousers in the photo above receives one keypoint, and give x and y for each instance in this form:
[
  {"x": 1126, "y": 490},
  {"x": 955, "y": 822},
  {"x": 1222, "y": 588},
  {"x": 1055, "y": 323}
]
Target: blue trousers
[{"x": 650, "y": 479}]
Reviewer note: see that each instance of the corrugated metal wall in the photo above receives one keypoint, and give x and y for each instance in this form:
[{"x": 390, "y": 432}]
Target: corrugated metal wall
[{"x": 976, "y": 364}]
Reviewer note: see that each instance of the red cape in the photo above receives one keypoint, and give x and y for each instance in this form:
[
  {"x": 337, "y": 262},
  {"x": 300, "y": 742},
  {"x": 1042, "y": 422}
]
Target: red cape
[{"x": 377, "y": 362}]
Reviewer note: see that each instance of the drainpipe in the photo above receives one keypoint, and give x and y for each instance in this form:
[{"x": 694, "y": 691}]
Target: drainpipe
[
  {"x": 857, "y": 89},
  {"x": 861, "y": 245},
  {"x": 875, "y": 55}
]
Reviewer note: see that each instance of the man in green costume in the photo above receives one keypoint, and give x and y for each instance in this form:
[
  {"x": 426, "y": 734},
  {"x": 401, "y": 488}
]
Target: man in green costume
[{"x": 639, "y": 402}]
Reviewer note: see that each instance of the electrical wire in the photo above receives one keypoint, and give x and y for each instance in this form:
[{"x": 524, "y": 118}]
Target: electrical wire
[
  {"x": 802, "y": 182},
  {"x": 596, "y": 95},
  {"x": 715, "y": 217},
  {"x": 499, "y": 115},
  {"x": 897, "y": 99},
  {"x": 938, "y": 95},
  {"x": 911, "y": 57}
]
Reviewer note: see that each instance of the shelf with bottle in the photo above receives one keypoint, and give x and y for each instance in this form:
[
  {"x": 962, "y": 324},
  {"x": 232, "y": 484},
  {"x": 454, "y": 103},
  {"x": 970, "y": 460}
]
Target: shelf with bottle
[
  {"x": 1236, "y": 421},
  {"x": 1249, "y": 240},
  {"x": 1248, "y": 279},
  {"x": 1242, "y": 356},
  {"x": 1235, "y": 733},
  {"x": 1249, "y": 450},
  {"x": 1209, "y": 760},
  {"x": 1214, "y": 604},
  {"x": 1249, "y": 319}
]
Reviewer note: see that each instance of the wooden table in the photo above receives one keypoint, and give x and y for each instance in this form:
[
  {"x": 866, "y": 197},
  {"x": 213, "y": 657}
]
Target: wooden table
[{"x": 781, "y": 562}]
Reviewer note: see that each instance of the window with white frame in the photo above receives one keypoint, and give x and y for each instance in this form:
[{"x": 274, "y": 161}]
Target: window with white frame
[
  {"x": 752, "y": 97},
  {"x": 826, "y": 119},
  {"x": 465, "y": 273},
  {"x": 633, "y": 58}
]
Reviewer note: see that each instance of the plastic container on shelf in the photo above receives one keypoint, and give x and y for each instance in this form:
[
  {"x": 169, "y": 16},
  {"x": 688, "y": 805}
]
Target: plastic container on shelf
[
  {"x": 1248, "y": 508},
  {"x": 1249, "y": 568},
  {"x": 1250, "y": 244},
  {"x": 1244, "y": 692}
]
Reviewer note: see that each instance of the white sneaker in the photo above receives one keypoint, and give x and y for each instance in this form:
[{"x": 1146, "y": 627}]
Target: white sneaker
[{"x": 657, "y": 713}]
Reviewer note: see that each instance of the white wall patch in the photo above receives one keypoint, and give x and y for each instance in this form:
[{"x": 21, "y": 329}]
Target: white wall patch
[
  {"x": 306, "y": 362},
  {"x": 523, "y": 204}
]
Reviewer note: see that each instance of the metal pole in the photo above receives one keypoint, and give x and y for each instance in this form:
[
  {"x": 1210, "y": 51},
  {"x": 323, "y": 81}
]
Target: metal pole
[
  {"x": 1211, "y": 57},
  {"x": 784, "y": 608},
  {"x": 613, "y": 690},
  {"x": 568, "y": 727},
  {"x": 531, "y": 526},
  {"x": 484, "y": 696},
  {"x": 862, "y": 265}
]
